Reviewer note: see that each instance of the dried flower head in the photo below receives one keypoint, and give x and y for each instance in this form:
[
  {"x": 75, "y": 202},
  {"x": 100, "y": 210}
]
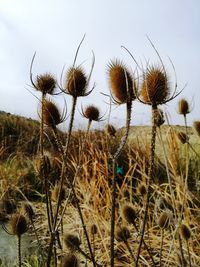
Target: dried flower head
[
  {"x": 129, "y": 213},
  {"x": 184, "y": 138},
  {"x": 70, "y": 260},
  {"x": 51, "y": 114},
  {"x": 91, "y": 113},
  {"x": 196, "y": 125},
  {"x": 72, "y": 241},
  {"x": 76, "y": 82},
  {"x": 18, "y": 224},
  {"x": 46, "y": 83},
  {"x": 185, "y": 232},
  {"x": 121, "y": 82},
  {"x": 183, "y": 107},
  {"x": 122, "y": 234},
  {"x": 155, "y": 86},
  {"x": 164, "y": 220},
  {"x": 142, "y": 190},
  {"x": 29, "y": 210},
  {"x": 158, "y": 117},
  {"x": 110, "y": 129},
  {"x": 9, "y": 206},
  {"x": 55, "y": 193}
]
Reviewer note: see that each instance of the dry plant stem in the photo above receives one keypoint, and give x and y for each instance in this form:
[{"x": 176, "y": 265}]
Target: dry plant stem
[
  {"x": 114, "y": 182},
  {"x": 161, "y": 246},
  {"x": 189, "y": 256},
  {"x": 129, "y": 250},
  {"x": 19, "y": 250},
  {"x": 152, "y": 156}
]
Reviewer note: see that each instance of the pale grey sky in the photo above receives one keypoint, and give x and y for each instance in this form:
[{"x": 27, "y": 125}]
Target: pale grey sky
[{"x": 54, "y": 28}]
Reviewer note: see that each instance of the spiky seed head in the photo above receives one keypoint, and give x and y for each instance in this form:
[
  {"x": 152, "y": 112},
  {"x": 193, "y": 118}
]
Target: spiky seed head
[
  {"x": 129, "y": 213},
  {"x": 55, "y": 193},
  {"x": 43, "y": 166},
  {"x": 18, "y": 224},
  {"x": 51, "y": 114},
  {"x": 164, "y": 220},
  {"x": 76, "y": 82},
  {"x": 185, "y": 232},
  {"x": 9, "y": 206},
  {"x": 93, "y": 229},
  {"x": 70, "y": 260},
  {"x": 110, "y": 129},
  {"x": 155, "y": 86},
  {"x": 72, "y": 241},
  {"x": 46, "y": 83},
  {"x": 158, "y": 117},
  {"x": 196, "y": 125},
  {"x": 29, "y": 210},
  {"x": 91, "y": 113},
  {"x": 183, "y": 107},
  {"x": 122, "y": 234},
  {"x": 121, "y": 82},
  {"x": 184, "y": 138},
  {"x": 142, "y": 190}
]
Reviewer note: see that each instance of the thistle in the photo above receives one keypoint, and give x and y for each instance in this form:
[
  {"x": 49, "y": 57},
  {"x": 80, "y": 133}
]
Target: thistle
[
  {"x": 129, "y": 214},
  {"x": 70, "y": 260},
  {"x": 183, "y": 107},
  {"x": 72, "y": 241},
  {"x": 45, "y": 83}
]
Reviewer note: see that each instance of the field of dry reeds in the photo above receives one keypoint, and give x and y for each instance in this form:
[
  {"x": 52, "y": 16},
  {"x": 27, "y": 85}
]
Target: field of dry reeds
[{"x": 127, "y": 197}]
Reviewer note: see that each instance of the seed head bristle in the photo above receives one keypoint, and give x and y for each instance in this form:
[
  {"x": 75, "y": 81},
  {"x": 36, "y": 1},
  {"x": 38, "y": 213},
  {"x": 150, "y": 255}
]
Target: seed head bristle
[
  {"x": 185, "y": 232},
  {"x": 196, "y": 125},
  {"x": 183, "y": 107},
  {"x": 122, "y": 234},
  {"x": 51, "y": 114},
  {"x": 76, "y": 82},
  {"x": 18, "y": 224},
  {"x": 164, "y": 220},
  {"x": 121, "y": 82},
  {"x": 184, "y": 138},
  {"x": 70, "y": 260},
  {"x": 155, "y": 86},
  {"x": 91, "y": 113},
  {"x": 110, "y": 129},
  {"x": 129, "y": 213},
  {"x": 72, "y": 241},
  {"x": 46, "y": 83}
]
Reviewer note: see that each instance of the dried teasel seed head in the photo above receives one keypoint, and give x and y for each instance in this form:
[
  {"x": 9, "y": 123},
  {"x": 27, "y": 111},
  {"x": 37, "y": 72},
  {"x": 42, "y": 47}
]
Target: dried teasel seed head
[
  {"x": 121, "y": 82},
  {"x": 70, "y": 260},
  {"x": 122, "y": 234},
  {"x": 76, "y": 82},
  {"x": 196, "y": 125},
  {"x": 72, "y": 241},
  {"x": 51, "y": 114},
  {"x": 93, "y": 229},
  {"x": 155, "y": 86},
  {"x": 46, "y": 83},
  {"x": 164, "y": 220},
  {"x": 55, "y": 193},
  {"x": 129, "y": 213},
  {"x": 183, "y": 107},
  {"x": 9, "y": 206},
  {"x": 184, "y": 138},
  {"x": 29, "y": 210},
  {"x": 110, "y": 129},
  {"x": 158, "y": 117},
  {"x": 185, "y": 232},
  {"x": 142, "y": 190},
  {"x": 18, "y": 224},
  {"x": 43, "y": 165},
  {"x": 91, "y": 113}
]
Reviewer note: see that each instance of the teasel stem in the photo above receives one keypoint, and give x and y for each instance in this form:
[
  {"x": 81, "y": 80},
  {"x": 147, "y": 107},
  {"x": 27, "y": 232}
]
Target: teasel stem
[
  {"x": 129, "y": 250},
  {"x": 161, "y": 246},
  {"x": 189, "y": 255},
  {"x": 19, "y": 250},
  {"x": 150, "y": 179},
  {"x": 114, "y": 180}
]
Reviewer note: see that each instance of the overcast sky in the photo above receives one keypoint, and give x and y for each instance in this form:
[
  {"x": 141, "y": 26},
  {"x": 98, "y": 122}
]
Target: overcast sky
[{"x": 54, "y": 28}]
